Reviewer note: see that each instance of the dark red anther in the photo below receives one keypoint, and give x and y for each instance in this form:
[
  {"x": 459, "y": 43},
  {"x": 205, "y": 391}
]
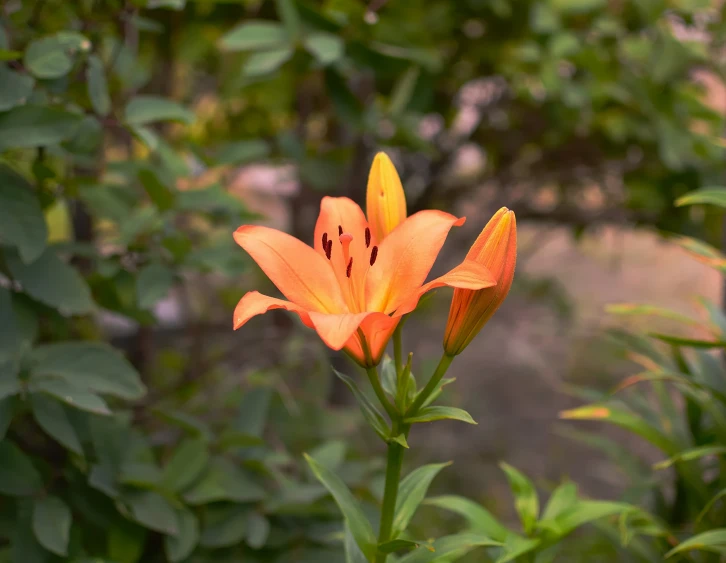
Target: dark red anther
[
  {"x": 325, "y": 241},
  {"x": 374, "y": 255},
  {"x": 340, "y": 230},
  {"x": 349, "y": 268},
  {"x": 329, "y": 249},
  {"x": 368, "y": 237}
]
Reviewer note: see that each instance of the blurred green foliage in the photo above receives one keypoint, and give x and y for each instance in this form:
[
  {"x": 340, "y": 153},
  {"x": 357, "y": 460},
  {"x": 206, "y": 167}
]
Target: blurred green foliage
[{"x": 122, "y": 122}]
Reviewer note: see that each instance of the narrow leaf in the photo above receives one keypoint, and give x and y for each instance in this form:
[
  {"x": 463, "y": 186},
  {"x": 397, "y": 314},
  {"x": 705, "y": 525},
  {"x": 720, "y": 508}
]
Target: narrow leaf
[
  {"x": 412, "y": 492},
  {"x": 448, "y": 545},
  {"x": 712, "y": 540},
  {"x": 432, "y": 413},
  {"x": 479, "y": 519},
  {"x": 370, "y": 412},
  {"x": 526, "y": 501}
]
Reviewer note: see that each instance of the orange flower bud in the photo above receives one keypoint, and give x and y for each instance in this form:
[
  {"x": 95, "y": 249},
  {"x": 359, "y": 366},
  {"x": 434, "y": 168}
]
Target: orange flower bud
[
  {"x": 385, "y": 200},
  {"x": 495, "y": 248}
]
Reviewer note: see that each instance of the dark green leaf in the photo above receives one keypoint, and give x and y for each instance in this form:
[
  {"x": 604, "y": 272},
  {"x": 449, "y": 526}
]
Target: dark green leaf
[
  {"x": 22, "y": 223},
  {"x": 480, "y": 520},
  {"x": 525, "y": 497},
  {"x": 25, "y": 547},
  {"x": 186, "y": 465},
  {"x": 92, "y": 365},
  {"x": 412, "y": 492},
  {"x": 36, "y": 126},
  {"x": 152, "y": 511},
  {"x": 253, "y": 411},
  {"x": 52, "y": 524},
  {"x": 126, "y": 541},
  {"x": 448, "y": 545},
  {"x": 347, "y": 106},
  {"x": 18, "y": 476},
  {"x": 242, "y": 152},
  {"x": 359, "y": 525},
  {"x": 254, "y": 35},
  {"x": 287, "y": 12},
  {"x": 179, "y": 547},
  {"x": 428, "y": 414},
  {"x": 224, "y": 527},
  {"x": 53, "y": 56},
  {"x": 714, "y": 196},
  {"x": 515, "y": 546},
  {"x": 70, "y": 394},
  {"x": 7, "y": 409},
  {"x": 153, "y": 284},
  {"x": 397, "y": 545},
  {"x": 403, "y": 91},
  {"x": 51, "y": 417},
  {"x": 370, "y": 412},
  {"x": 50, "y": 280},
  {"x": 98, "y": 86},
  {"x": 224, "y": 481},
  {"x": 143, "y": 109},
  {"x": 16, "y": 88},
  {"x": 266, "y": 62},
  {"x": 160, "y": 194}
]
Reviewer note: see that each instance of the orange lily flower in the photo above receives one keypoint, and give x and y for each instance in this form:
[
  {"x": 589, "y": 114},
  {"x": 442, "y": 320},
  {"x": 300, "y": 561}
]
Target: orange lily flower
[
  {"x": 495, "y": 248},
  {"x": 385, "y": 200},
  {"x": 349, "y": 287}
]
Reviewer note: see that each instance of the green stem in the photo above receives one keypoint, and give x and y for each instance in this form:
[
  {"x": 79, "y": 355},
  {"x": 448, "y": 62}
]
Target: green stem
[
  {"x": 381, "y": 394},
  {"x": 397, "y": 353},
  {"x": 420, "y": 399},
  {"x": 390, "y": 492}
]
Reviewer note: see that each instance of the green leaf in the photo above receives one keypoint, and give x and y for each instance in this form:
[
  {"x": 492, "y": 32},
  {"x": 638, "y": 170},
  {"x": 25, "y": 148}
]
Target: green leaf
[
  {"x": 160, "y": 194},
  {"x": 353, "y": 554},
  {"x": 153, "y": 284},
  {"x": 403, "y": 91},
  {"x": 327, "y": 48},
  {"x": 526, "y": 501},
  {"x": 287, "y": 12},
  {"x": 152, "y": 511},
  {"x": 412, "y": 492},
  {"x": 22, "y": 223},
  {"x": 714, "y": 196},
  {"x": 179, "y": 547},
  {"x": 36, "y": 126},
  {"x": 400, "y": 439},
  {"x": 224, "y": 481},
  {"x": 7, "y": 409},
  {"x": 258, "y": 529},
  {"x": 16, "y": 89},
  {"x": 92, "y": 365},
  {"x": 515, "y": 546},
  {"x": 429, "y": 414},
  {"x": 53, "y": 56},
  {"x": 253, "y": 411},
  {"x": 254, "y": 35},
  {"x": 359, "y": 525},
  {"x": 347, "y": 106},
  {"x": 70, "y": 394},
  {"x": 9, "y": 382},
  {"x": 370, "y": 412},
  {"x": 25, "y": 547},
  {"x": 562, "y": 498},
  {"x": 145, "y": 109},
  {"x": 712, "y": 540},
  {"x": 18, "y": 476},
  {"x": 397, "y": 545},
  {"x": 480, "y": 520},
  {"x": 582, "y": 512},
  {"x": 98, "y": 86},
  {"x": 126, "y": 541},
  {"x": 52, "y": 524},
  {"x": 51, "y": 281},
  {"x": 458, "y": 544},
  {"x": 186, "y": 465},
  {"x": 242, "y": 152},
  {"x": 690, "y": 455},
  {"x": 171, "y": 4},
  {"x": 649, "y": 310},
  {"x": 389, "y": 378},
  {"x": 266, "y": 62},
  {"x": 689, "y": 342},
  {"x": 224, "y": 526},
  {"x": 52, "y": 418}
]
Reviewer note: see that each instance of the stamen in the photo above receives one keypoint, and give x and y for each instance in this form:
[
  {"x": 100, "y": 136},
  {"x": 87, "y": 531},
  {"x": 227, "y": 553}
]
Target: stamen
[
  {"x": 329, "y": 249},
  {"x": 374, "y": 255},
  {"x": 345, "y": 240},
  {"x": 340, "y": 230},
  {"x": 368, "y": 237},
  {"x": 325, "y": 241},
  {"x": 349, "y": 268}
]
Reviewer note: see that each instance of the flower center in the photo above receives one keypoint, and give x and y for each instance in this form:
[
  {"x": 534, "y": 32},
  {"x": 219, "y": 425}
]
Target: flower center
[{"x": 345, "y": 240}]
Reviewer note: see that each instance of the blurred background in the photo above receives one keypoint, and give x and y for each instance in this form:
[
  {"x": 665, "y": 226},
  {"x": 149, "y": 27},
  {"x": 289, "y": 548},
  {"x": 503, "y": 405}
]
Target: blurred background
[{"x": 148, "y": 130}]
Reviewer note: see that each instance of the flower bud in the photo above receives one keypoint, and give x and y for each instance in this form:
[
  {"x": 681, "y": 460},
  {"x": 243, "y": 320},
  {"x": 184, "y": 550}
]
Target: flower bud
[
  {"x": 385, "y": 200},
  {"x": 495, "y": 248}
]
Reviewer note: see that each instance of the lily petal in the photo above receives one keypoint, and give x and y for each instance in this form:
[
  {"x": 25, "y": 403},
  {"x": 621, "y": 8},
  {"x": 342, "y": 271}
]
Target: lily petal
[
  {"x": 336, "y": 330},
  {"x": 300, "y": 273},
  {"x": 255, "y": 303},
  {"x": 377, "y": 330},
  {"x": 467, "y": 275},
  {"x": 405, "y": 258}
]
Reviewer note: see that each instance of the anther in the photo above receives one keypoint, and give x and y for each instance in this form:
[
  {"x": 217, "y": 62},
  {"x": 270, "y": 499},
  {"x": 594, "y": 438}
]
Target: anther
[
  {"x": 374, "y": 255},
  {"x": 349, "y": 268},
  {"x": 329, "y": 249},
  {"x": 368, "y": 237},
  {"x": 325, "y": 241},
  {"x": 340, "y": 230}
]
